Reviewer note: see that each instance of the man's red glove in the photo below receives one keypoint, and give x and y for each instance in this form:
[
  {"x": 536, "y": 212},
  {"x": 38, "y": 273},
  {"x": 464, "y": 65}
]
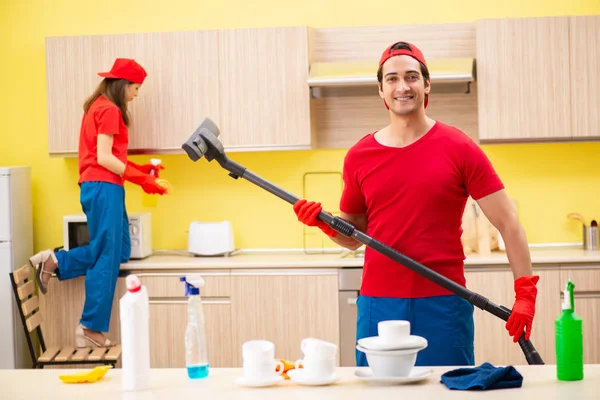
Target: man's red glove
[
  {"x": 147, "y": 168},
  {"x": 524, "y": 308},
  {"x": 307, "y": 212},
  {"x": 146, "y": 181}
]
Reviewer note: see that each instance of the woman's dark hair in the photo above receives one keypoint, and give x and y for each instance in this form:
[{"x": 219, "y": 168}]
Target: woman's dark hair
[
  {"x": 403, "y": 46},
  {"x": 113, "y": 90}
]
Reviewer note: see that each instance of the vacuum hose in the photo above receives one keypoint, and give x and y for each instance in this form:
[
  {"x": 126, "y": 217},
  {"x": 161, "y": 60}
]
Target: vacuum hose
[{"x": 204, "y": 142}]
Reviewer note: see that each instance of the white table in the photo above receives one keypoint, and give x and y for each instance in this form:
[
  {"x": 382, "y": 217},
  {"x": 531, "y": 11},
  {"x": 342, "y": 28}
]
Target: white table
[{"x": 539, "y": 383}]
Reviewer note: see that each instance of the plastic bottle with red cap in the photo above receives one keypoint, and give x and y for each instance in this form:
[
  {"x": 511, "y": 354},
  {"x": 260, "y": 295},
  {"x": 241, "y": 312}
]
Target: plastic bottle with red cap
[{"x": 135, "y": 335}]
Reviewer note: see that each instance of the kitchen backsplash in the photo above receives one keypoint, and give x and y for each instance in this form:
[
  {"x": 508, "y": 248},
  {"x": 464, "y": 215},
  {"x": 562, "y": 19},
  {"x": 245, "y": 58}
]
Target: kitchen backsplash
[{"x": 548, "y": 181}]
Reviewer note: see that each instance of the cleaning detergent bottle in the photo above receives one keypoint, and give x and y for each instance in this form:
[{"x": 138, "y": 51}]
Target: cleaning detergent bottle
[
  {"x": 156, "y": 162},
  {"x": 569, "y": 339},
  {"x": 196, "y": 351},
  {"x": 151, "y": 200},
  {"x": 135, "y": 336}
]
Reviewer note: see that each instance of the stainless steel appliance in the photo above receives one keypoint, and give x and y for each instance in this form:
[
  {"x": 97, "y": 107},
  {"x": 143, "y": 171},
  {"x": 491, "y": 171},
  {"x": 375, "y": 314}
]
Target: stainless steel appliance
[
  {"x": 16, "y": 246},
  {"x": 349, "y": 288}
]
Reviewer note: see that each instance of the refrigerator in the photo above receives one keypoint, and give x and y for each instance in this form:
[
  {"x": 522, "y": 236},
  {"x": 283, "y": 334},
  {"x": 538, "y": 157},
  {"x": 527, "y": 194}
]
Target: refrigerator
[{"x": 16, "y": 246}]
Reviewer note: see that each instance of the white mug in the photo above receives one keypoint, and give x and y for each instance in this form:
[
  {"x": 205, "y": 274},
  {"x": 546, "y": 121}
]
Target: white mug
[
  {"x": 259, "y": 360},
  {"x": 393, "y": 331},
  {"x": 262, "y": 369},
  {"x": 315, "y": 368},
  {"x": 318, "y": 349},
  {"x": 258, "y": 350}
]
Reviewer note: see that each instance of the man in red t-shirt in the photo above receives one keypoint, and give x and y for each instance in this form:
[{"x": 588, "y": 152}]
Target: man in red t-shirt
[{"x": 406, "y": 185}]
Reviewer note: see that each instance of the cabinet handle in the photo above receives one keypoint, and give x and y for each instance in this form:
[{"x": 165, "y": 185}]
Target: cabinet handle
[
  {"x": 178, "y": 274},
  {"x": 285, "y": 272},
  {"x": 352, "y": 300},
  {"x": 184, "y": 301},
  {"x": 586, "y": 295}
]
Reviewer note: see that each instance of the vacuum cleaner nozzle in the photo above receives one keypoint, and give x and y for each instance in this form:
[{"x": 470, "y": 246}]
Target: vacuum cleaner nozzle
[{"x": 204, "y": 142}]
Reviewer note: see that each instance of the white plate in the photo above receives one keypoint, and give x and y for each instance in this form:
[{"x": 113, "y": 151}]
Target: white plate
[
  {"x": 390, "y": 352},
  {"x": 263, "y": 382},
  {"x": 375, "y": 343},
  {"x": 297, "y": 375},
  {"x": 416, "y": 374}
]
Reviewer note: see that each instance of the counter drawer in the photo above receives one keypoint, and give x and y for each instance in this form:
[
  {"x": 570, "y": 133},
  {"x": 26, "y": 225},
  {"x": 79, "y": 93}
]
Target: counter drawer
[{"x": 167, "y": 284}]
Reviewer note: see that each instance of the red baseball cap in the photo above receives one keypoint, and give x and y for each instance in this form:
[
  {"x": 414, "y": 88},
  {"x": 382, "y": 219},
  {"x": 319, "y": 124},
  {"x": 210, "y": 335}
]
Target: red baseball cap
[
  {"x": 414, "y": 52},
  {"x": 126, "y": 68}
]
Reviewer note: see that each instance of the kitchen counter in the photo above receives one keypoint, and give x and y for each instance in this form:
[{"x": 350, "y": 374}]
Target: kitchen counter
[
  {"x": 539, "y": 382},
  {"x": 264, "y": 260}
]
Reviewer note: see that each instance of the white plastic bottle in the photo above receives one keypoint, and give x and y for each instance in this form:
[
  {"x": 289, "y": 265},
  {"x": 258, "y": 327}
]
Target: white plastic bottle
[
  {"x": 151, "y": 200},
  {"x": 135, "y": 336},
  {"x": 196, "y": 351},
  {"x": 156, "y": 162}
]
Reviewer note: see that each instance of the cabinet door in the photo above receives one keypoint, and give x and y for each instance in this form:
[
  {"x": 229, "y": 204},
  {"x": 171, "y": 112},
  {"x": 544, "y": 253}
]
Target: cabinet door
[
  {"x": 168, "y": 321},
  {"x": 264, "y": 91},
  {"x": 585, "y": 75},
  {"x": 284, "y": 309},
  {"x": 523, "y": 78},
  {"x": 492, "y": 341},
  {"x": 180, "y": 91}
]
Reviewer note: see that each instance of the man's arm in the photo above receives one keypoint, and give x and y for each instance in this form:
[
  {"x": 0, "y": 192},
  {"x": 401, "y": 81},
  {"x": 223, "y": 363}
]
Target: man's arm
[
  {"x": 499, "y": 210},
  {"x": 360, "y": 222}
]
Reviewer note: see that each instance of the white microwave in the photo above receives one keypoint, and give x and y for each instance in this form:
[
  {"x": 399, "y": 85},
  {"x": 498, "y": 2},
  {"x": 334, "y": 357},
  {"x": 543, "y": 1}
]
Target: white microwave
[{"x": 76, "y": 233}]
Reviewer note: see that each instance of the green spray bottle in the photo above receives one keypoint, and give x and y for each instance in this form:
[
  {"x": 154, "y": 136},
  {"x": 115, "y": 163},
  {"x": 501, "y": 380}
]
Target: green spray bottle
[{"x": 569, "y": 339}]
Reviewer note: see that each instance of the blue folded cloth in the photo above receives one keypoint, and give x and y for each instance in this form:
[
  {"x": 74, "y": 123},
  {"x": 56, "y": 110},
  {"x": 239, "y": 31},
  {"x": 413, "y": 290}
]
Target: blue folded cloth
[{"x": 484, "y": 377}]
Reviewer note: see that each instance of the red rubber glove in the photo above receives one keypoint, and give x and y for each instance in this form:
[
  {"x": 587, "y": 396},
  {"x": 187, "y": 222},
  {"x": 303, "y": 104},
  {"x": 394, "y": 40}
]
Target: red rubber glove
[
  {"x": 307, "y": 212},
  {"x": 148, "y": 168},
  {"x": 524, "y": 308},
  {"x": 146, "y": 181}
]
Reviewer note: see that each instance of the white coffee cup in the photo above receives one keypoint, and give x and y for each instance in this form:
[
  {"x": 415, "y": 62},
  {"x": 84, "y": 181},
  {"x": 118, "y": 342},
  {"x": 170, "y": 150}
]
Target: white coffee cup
[
  {"x": 259, "y": 360},
  {"x": 262, "y": 369},
  {"x": 316, "y": 368},
  {"x": 258, "y": 350},
  {"x": 393, "y": 331},
  {"x": 314, "y": 348}
]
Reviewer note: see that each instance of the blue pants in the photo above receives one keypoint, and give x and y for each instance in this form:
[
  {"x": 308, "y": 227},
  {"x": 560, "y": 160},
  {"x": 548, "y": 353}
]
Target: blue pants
[
  {"x": 104, "y": 206},
  {"x": 445, "y": 321}
]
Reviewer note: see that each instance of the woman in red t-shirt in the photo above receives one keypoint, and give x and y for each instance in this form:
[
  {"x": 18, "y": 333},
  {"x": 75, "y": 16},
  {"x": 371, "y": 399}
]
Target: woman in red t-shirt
[{"x": 103, "y": 168}]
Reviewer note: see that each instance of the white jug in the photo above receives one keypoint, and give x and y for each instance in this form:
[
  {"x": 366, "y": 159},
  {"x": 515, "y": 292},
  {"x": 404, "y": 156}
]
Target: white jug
[{"x": 135, "y": 336}]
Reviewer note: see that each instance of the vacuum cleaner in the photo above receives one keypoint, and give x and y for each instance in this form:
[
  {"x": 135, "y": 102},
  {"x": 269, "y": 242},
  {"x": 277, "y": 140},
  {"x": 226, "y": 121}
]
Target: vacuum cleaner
[{"x": 204, "y": 142}]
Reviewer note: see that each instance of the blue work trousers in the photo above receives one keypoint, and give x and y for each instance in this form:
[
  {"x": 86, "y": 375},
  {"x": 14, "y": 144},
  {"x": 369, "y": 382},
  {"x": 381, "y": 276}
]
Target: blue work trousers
[
  {"x": 104, "y": 206},
  {"x": 445, "y": 321}
]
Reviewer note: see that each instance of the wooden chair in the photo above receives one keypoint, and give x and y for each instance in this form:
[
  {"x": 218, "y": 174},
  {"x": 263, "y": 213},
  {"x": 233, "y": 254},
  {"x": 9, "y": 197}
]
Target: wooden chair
[{"x": 28, "y": 304}]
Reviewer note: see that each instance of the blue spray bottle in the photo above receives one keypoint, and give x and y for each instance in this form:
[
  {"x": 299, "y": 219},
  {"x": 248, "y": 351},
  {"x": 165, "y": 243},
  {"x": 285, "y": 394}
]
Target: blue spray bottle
[{"x": 196, "y": 351}]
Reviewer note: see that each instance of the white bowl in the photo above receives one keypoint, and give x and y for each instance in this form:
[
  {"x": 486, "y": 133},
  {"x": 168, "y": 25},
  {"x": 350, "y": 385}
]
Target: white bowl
[{"x": 394, "y": 363}]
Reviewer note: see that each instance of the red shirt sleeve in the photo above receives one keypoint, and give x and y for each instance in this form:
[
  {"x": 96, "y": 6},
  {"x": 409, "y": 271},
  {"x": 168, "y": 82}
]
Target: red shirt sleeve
[
  {"x": 353, "y": 200},
  {"x": 108, "y": 119},
  {"x": 479, "y": 175}
]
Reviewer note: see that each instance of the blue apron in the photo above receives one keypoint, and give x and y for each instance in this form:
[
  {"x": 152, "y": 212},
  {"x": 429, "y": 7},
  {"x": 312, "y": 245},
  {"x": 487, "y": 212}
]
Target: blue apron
[
  {"x": 445, "y": 321},
  {"x": 104, "y": 206}
]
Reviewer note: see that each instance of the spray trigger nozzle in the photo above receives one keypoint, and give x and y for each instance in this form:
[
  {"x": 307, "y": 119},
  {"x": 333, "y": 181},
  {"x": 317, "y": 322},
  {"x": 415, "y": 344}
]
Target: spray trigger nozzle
[
  {"x": 192, "y": 285},
  {"x": 568, "y": 296}
]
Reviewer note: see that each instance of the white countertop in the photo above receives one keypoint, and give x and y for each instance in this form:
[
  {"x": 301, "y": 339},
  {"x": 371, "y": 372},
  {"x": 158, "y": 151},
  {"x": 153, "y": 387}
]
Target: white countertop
[
  {"x": 539, "y": 383},
  {"x": 303, "y": 260}
]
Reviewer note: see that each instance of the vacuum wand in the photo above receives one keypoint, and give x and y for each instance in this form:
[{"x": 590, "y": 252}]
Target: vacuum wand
[{"x": 204, "y": 142}]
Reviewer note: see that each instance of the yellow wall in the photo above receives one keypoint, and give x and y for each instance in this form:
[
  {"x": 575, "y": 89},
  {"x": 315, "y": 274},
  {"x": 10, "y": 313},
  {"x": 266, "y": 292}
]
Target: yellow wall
[{"x": 545, "y": 191}]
